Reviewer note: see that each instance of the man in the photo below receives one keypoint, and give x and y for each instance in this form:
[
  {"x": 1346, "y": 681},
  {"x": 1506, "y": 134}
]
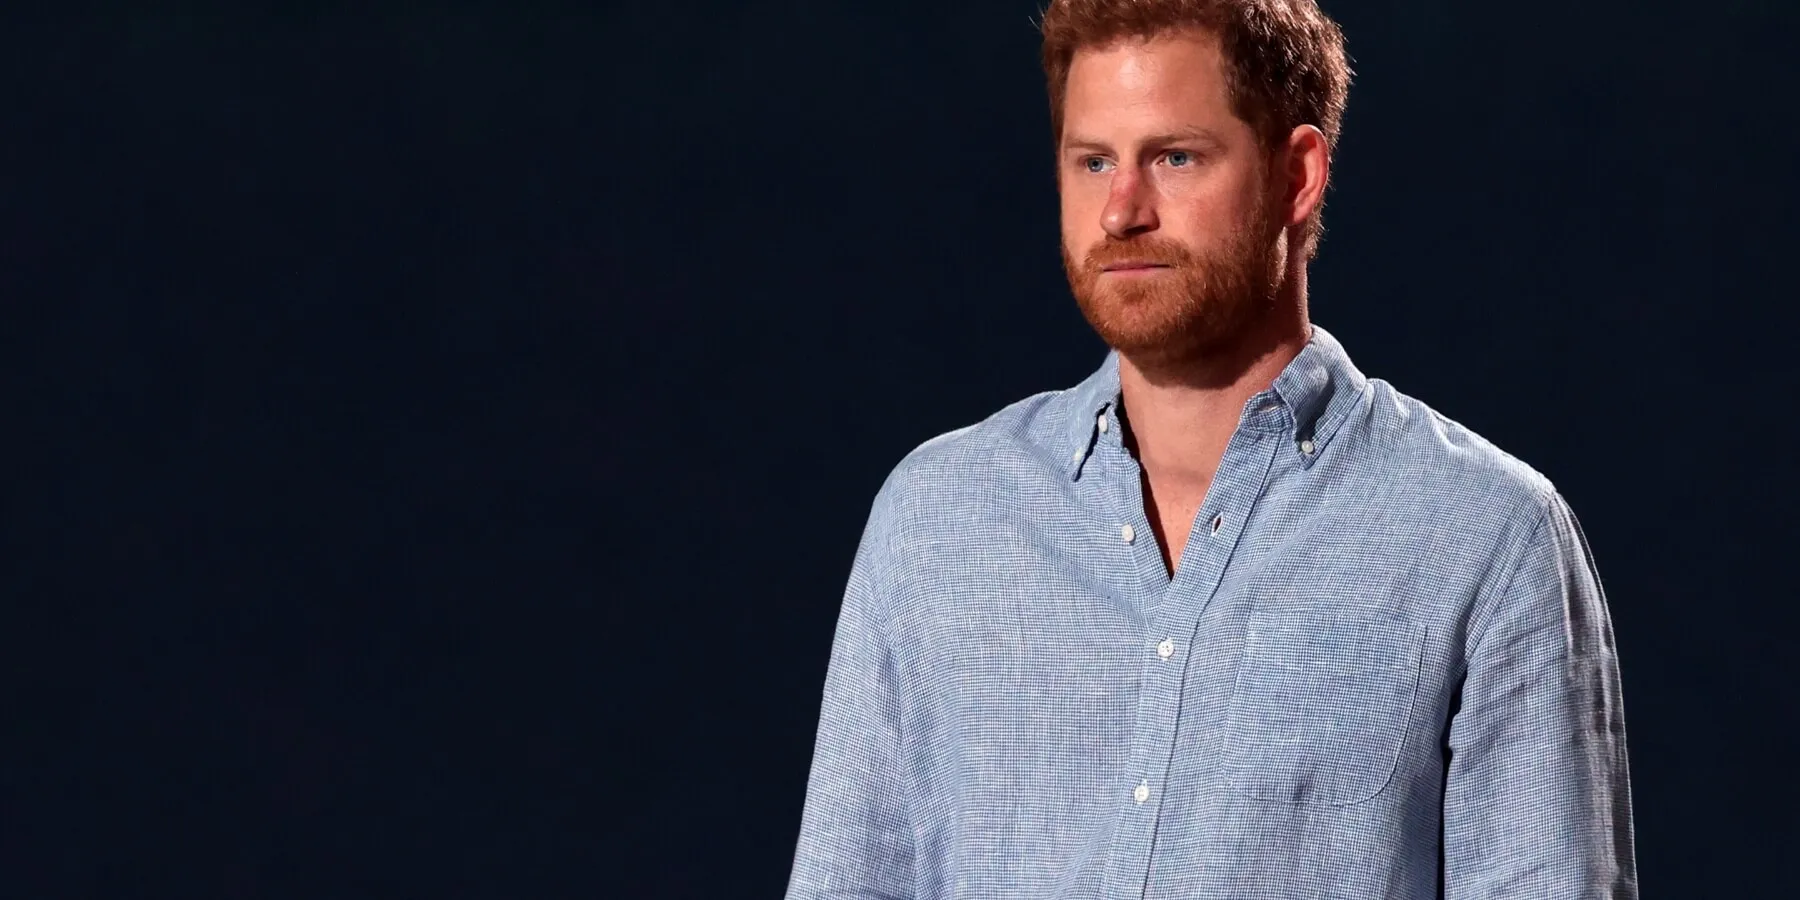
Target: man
[{"x": 1229, "y": 618}]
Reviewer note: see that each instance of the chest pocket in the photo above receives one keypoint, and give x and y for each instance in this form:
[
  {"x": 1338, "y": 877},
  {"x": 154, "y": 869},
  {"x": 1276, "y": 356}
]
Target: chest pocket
[{"x": 1322, "y": 703}]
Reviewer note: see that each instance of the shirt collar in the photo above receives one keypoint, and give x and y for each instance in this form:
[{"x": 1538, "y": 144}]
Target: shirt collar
[{"x": 1308, "y": 401}]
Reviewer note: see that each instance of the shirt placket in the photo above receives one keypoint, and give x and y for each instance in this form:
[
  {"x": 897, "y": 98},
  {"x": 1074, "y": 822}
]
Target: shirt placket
[{"x": 1177, "y": 605}]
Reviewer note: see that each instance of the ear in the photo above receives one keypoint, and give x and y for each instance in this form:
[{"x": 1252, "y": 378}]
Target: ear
[{"x": 1305, "y": 169}]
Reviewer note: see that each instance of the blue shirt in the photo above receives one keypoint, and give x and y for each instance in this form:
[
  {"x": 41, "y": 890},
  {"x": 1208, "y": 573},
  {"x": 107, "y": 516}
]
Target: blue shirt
[{"x": 1384, "y": 668}]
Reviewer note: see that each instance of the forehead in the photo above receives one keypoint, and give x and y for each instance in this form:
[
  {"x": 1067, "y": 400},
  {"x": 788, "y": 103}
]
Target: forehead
[{"x": 1176, "y": 75}]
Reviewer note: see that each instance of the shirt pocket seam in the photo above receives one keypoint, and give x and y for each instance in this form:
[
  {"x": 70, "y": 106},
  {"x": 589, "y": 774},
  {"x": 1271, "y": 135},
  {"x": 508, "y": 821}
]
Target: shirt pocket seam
[{"x": 1242, "y": 752}]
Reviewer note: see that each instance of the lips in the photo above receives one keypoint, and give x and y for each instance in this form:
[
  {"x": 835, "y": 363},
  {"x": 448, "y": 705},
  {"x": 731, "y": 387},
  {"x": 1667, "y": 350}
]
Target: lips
[{"x": 1129, "y": 266}]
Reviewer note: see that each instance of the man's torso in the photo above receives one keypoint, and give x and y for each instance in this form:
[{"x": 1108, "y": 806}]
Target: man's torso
[{"x": 1268, "y": 722}]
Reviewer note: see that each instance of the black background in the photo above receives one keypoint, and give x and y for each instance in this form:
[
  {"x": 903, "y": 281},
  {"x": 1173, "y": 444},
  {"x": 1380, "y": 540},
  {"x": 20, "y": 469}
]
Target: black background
[{"x": 439, "y": 438}]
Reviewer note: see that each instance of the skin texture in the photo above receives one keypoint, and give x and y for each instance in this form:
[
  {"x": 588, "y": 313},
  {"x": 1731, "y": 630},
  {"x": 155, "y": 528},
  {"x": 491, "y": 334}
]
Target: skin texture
[{"x": 1155, "y": 168}]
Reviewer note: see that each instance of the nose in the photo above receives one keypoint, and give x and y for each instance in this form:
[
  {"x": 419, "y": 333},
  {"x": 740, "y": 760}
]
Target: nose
[{"x": 1130, "y": 205}]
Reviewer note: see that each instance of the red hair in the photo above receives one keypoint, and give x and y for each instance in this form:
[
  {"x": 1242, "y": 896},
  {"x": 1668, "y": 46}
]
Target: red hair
[{"x": 1285, "y": 64}]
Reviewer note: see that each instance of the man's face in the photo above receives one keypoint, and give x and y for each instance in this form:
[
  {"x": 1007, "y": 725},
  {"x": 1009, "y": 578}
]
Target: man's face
[{"x": 1168, "y": 234}]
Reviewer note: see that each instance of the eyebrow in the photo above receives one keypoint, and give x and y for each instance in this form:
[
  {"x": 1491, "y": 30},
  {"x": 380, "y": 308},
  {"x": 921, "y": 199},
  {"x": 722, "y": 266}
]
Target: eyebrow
[{"x": 1179, "y": 136}]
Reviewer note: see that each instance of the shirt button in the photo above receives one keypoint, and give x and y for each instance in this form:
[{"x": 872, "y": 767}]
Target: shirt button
[
  {"x": 1165, "y": 649},
  {"x": 1142, "y": 793},
  {"x": 1103, "y": 425},
  {"x": 1076, "y": 457},
  {"x": 1306, "y": 447},
  {"x": 1127, "y": 533}
]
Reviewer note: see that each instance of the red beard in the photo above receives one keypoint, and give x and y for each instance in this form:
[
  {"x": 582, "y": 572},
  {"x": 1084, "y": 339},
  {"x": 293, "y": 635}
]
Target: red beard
[{"x": 1200, "y": 304}]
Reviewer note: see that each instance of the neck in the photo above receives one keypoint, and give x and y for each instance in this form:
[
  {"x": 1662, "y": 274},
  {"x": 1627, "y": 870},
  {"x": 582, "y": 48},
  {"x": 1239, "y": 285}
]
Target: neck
[{"x": 1182, "y": 415}]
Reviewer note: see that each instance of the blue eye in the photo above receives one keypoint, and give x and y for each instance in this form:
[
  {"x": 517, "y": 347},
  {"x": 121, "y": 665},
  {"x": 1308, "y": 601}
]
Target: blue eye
[
  {"x": 1179, "y": 158},
  {"x": 1092, "y": 162}
]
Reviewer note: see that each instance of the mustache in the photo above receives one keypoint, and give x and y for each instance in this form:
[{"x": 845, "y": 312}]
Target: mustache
[{"x": 1113, "y": 251}]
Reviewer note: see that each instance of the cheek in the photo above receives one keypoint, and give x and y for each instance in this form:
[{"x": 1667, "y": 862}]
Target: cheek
[
  {"x": 1209, "y": 218},
  {"x": 1079, "y": 224},
  {"x": 1188, "y": 195},
  {"x": 1172, "y": 184},
  {"x": 1073, "y": 199}
]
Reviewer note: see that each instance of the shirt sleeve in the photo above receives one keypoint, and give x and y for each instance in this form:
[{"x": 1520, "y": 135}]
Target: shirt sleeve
[
  {"x": 1537, "y": 797},
  {"x": 856, "y": 838}
]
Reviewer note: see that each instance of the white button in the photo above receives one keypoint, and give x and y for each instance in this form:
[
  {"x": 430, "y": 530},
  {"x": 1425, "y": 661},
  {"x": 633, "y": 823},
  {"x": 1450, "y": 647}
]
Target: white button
[
  {"x": 1165, "y": 649},
  {"x": 1128, "y": 533},
  {"x": 1217, "y": 521},
  {"x": 1142, "y": 793},
  {"x": 1077, "y": 456},
  {"x": 1306, "y": 447},
  {"x": 1103, "y": 425}
]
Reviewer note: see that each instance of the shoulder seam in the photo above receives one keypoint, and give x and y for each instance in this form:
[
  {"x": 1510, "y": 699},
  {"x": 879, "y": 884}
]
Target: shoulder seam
[{"x": 1545, "y": 498}]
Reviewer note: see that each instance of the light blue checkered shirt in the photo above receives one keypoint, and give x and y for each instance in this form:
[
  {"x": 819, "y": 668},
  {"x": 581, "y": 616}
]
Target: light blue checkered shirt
[{"x": 1383, "y": 669}]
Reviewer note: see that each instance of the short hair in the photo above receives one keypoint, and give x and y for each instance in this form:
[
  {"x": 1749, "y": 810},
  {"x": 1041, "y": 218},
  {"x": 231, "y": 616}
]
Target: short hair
[{"x": 1285, "y": 64}]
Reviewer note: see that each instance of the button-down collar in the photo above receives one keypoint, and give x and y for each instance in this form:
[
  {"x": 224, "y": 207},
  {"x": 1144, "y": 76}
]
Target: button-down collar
[{"x": 1317, "y": 388}]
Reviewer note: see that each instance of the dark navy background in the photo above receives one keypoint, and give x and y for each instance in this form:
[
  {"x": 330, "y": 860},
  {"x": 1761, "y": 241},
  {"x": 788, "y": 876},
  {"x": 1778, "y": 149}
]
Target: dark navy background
[{"x": 438, "y": 439}]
